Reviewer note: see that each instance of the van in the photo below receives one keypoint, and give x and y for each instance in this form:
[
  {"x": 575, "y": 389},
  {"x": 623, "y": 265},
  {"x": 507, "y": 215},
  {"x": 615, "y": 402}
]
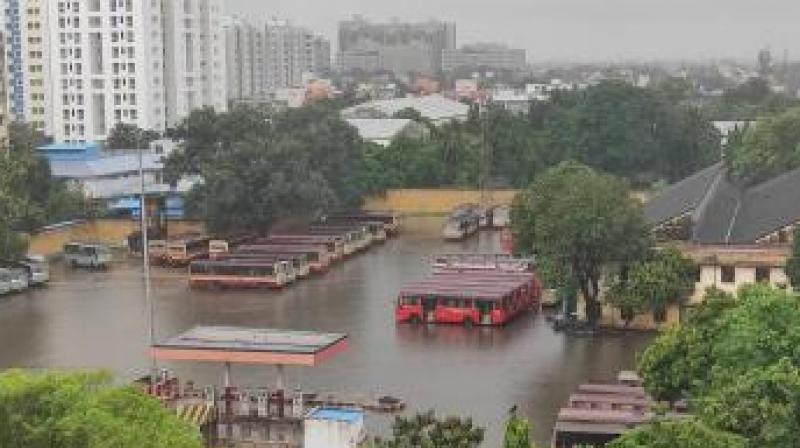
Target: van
[
  {"x": 5, "y": 282},
  {"x": 91, "y": 256}
]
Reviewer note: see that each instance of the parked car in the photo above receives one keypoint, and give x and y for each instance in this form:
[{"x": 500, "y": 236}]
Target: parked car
[
  {"x": 5, "y": 282},
  {"x": 16, "y": 279},
  {"x": 35, "y": 268},
  {"x": 92, "y": 256}
]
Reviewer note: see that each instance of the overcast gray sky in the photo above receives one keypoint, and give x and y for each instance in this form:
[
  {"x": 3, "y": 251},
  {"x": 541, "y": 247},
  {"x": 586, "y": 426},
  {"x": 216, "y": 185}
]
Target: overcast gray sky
[{"x": 577, "y": 30}]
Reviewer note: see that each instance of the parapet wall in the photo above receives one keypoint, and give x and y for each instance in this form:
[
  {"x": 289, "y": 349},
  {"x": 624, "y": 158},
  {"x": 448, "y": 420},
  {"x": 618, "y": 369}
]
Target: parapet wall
[
  {"x": 432, "y": 201},
  {"x": 114, "y": 232}
]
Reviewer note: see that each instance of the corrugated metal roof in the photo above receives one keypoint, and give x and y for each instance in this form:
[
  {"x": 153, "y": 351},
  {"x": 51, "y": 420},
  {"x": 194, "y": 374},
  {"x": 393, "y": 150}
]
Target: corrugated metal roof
[
  {"x": 379, "y": 128},
  {"x": 433, "y": 107},
  {"x": 105, "y": 166}
]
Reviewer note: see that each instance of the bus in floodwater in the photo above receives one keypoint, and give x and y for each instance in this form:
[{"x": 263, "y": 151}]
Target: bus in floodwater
[{"x": 238, "y": 274}]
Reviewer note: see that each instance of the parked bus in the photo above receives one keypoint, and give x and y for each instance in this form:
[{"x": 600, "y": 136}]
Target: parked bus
[
  {"x": 460, "y": 226},
  {"x": 92, "y": 256},
  {"x": 299, "y": 262},
  {"x": 501, "y": 217},
  {"x": 356, "y": 238},
  {"x": 376, "y": 228},
  {"x": 238, "y": 273},
  {"x": 468, "y": 262},
  {"x": 489, "y": 298},
  {"x": 181, "y": 252},
  {"x": 334, "y": 243},
  {"x": 390, "y": 220},
  {"x": 317, "y": 254}
]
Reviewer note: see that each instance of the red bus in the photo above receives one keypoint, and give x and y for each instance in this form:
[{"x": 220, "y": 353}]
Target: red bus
[
  {"x": 486, "y": 298},
  {"x": 299, "y": 262}
]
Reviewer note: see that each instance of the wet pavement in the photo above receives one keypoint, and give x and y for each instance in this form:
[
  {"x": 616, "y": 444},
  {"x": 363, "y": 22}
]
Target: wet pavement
[{"x": 98, "y": 320}]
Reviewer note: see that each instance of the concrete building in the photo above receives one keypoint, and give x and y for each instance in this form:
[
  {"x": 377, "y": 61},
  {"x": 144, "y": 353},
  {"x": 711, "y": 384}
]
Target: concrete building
[
  {"x": 396, "y": 47},
  {"x": 4, "y": 116},
  {"x": 194, "y": 57},
  {"x": 27, "y": 54},
  {"x": 267, "y": 56},
  {"x": 106, "y": 66},
  {"x": 483, "y": 57}
]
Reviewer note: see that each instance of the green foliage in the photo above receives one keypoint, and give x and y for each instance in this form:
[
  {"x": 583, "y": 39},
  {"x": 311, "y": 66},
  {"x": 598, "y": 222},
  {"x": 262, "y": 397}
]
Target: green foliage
[
  {"x": 257, "y": 166},
  {"x": 54, "y": 410},
  {"x": 651, "y": 284},
  {"x": 762, "y": 404},
  {"x": 769, "y": 148},
  {"x": 129, "y": 136},
  {"x": 518, "y": 432},
  {"x": 680, "y": 434},
  {"x": 793, "y": 263},
  {"x": 633, "y": 132},
  {"x": 426, "y": 430},
  {"x": 582, "y": 221},
  {"x": 29, "y": 197},
  {"x": 737, "y": 362}
]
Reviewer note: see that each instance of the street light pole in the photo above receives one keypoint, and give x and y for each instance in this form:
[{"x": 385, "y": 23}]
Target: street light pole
[{"x": 146, "y": 263}]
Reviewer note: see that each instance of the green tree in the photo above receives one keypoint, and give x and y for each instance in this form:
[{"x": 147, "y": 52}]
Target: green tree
[
  {"x": 633, "y": 132},
  {"x": 55, "y": 410},
  {"x": 129, "y": 136},
  {"x": 583, "y": 221},
  {"x": 762, "y": 404},
  {"x": 793, "y": 263},
  {"x": 257, "y": 166},
  {"x": 681, "y": 434},
  {"x": 769, "y": 148},
  {"x": 649, "y": 286},
  {"x": 426, "y": 430},
  {"x": 518, "y": 432}
]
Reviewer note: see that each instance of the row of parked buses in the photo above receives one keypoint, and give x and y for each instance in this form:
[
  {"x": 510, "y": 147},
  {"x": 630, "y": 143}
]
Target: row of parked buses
[
  {"x": 467, "y": 219},
  {"x": 277, "y": 260},
  {"x": 19, "y": 275},
  {"x": 470, "y": 289}
]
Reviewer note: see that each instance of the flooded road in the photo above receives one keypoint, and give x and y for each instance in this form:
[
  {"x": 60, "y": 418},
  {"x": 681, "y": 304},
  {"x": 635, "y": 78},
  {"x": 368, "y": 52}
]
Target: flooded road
[{"x": 98, "y": 320}]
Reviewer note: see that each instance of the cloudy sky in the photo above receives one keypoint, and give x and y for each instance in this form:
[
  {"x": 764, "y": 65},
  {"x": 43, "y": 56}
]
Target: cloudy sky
[{"x": 577, "y": 30}]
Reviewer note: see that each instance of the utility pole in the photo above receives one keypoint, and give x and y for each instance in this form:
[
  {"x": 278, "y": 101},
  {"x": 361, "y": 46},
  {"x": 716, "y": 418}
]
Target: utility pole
[
  {"x": 146, "y": 263},
  {"x": 485, "y": 181}
]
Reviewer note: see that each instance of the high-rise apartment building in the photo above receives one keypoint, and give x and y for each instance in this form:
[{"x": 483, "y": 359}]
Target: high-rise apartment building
[
  {"x": 27, "y": 51},
  {"x": 401, "y": 48},
  {"x": 194, "y": 66},
  {"x": 106, "y": 67},
  {"x": 77, "y": 68},
  {"x": 483, "y": 57},
  {"x": 267, "y": 55},
  {"x": 3, "y": 96}
]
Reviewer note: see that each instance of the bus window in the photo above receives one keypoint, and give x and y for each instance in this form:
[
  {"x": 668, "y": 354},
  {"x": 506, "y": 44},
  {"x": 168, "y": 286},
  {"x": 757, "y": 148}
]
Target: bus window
[{"x": 72, "y": 249}]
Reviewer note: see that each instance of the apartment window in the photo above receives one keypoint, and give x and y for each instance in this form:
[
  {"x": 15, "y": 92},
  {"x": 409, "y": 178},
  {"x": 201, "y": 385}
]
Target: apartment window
[
  {"x": 762, "y": 274},
  {"x": 728, "y": 274}
]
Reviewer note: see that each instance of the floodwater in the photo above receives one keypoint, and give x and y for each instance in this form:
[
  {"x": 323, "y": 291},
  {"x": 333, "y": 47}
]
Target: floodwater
[{"x": 98, "y": 320}]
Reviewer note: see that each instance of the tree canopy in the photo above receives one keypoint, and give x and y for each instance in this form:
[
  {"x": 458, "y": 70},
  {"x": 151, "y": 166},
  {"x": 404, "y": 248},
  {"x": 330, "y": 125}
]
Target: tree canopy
[
  {"x": 582, "y": 221},
  {"x": 665, "y": 277},
  {"x": 426, "y": 430},
  {"x": 65, "y": 410},
  {"x": 736, "y": 361},
  {"x": 257, "y": 166},
  {"x": 29, "y": 196},
  {"x": 680, "y": 434},
  {"x": 769, "y": 148},
  {"x": 129, "y": 136},
  {"x": 518, "y": 432}
]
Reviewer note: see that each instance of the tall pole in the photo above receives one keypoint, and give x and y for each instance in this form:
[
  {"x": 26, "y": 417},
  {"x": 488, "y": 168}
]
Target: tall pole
[{"x": 146, "y": 262}]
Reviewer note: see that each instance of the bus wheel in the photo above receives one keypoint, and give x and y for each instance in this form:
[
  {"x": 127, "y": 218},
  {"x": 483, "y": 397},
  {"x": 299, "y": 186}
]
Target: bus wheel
[
  {"x": 469, "y": 323},
  {"x": 415, "y": 320}
]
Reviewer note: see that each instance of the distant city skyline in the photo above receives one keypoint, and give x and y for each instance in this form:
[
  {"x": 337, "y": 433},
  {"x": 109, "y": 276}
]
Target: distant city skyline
[{"x": 577, "y": 30}]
